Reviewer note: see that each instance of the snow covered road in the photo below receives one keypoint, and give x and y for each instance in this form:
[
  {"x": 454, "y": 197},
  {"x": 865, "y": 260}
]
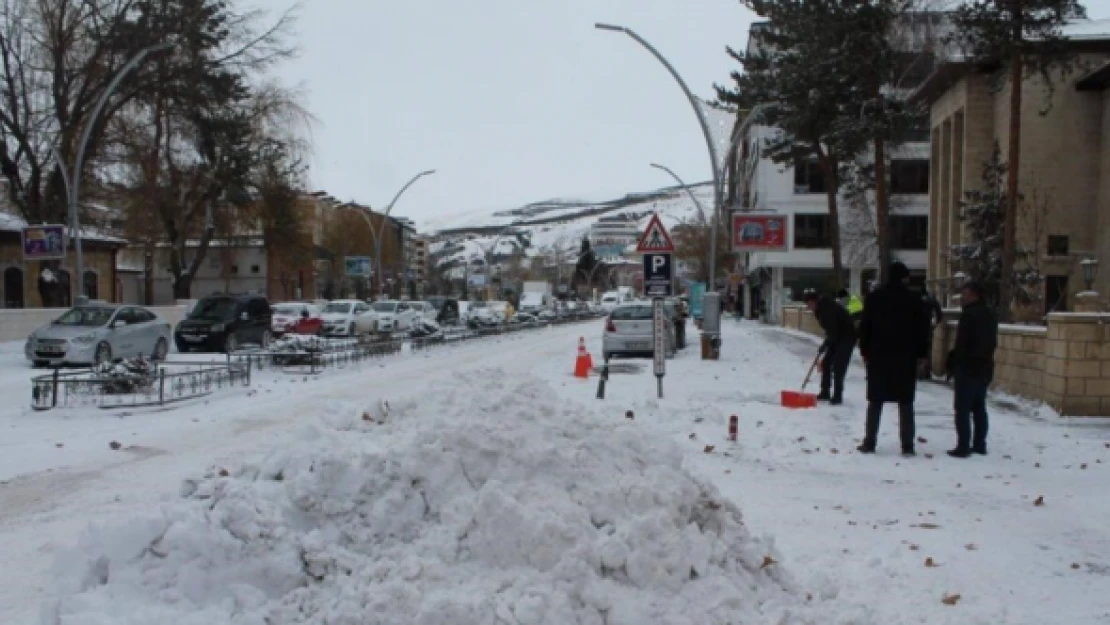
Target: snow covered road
[{"x": 873, "y": 539}]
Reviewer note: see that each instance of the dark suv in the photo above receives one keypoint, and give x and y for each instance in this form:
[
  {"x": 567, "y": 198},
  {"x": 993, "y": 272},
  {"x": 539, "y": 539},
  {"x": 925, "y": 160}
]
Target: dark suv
[{"x": 223, "y": 323}]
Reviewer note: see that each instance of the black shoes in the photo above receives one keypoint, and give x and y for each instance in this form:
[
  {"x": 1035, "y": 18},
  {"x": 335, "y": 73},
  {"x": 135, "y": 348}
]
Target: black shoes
[
  {"x": 908, "y": 452},
  {"x": 836, "y": 401},
  {"x": 959, "y": 453},
  {"x": 866, "y": 449},
  {"x": 823, "y": 396},
  {"x": 981, "y": 450}
]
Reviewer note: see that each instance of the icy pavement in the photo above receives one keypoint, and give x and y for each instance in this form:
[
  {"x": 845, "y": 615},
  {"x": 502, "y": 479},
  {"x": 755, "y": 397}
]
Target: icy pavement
[{"x": 500, "y": 491}]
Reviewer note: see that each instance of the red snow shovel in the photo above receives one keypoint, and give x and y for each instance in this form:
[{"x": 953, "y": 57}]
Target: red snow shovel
[{"x": 802, "y": 399}]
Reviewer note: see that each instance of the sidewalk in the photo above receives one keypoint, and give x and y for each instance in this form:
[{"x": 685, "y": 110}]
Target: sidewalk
[{"x": 897, "y": 534}]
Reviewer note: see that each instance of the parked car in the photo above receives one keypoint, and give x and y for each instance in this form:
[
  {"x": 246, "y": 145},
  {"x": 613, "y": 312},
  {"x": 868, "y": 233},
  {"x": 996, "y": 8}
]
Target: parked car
[
  {"x": 610, "y": 300},
  {"x": 425, "y": 310},
  {"x": 628, "y": 331},
  {"x": 225, "y": 323},
  {"x": 97, "y": 333},
  {"x": 447, "y": 310},
  {"x": 296, "y": 318},
  {"x": 394, "y": 316},
  {"x": 527, "y": 320},
  {"x": 348, "y": 317}
]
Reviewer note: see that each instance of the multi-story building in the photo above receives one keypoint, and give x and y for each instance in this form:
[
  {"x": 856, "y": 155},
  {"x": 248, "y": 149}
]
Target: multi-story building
[
  {"x": 610, "y": 236},
  {"x": 1064, "y": 175},
  {"x": 798, "y": 191}
]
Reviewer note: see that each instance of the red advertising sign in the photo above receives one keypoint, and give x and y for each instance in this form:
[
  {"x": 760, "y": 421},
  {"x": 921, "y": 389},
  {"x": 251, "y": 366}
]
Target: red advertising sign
[{"x": 758, "y": 233}]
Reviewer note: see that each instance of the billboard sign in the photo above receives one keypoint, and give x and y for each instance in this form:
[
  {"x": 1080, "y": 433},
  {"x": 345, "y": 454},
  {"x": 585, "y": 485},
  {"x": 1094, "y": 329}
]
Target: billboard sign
[
  {"x": 44, "y": 242},
  {"x": 758, "y": 233},
  {"x": 356, "y": 266}
]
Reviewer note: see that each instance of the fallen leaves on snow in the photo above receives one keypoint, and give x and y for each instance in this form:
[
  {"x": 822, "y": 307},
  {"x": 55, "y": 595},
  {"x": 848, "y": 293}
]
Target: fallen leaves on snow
[
  {"x": 927, "y": 526},
  {"x": 930, "y": 563},
  {"x": 114, "y": 445},
  {"x": 921, "y": 439},
  {"x": 768, "y": 561},
  {"x": 709, "y": 448},
  {"x": 950, "y": 599},
  {"x": 971, "y": 546},
  {"x": 1039, "y": 501}
]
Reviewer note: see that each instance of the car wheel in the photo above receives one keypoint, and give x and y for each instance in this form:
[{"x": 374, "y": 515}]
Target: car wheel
[
  {"x": 266, "y": 338},
  {"x": 161, "y": 348},
  {"x": 103, "y": 354},
  {"x": 232, "y": 343}
]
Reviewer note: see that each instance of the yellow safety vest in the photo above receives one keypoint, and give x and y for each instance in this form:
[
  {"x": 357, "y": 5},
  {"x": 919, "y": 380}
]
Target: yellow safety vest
[{"x": 855, "y": 305}]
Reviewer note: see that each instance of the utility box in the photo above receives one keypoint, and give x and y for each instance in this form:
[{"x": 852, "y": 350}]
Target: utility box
[{"x": 711, "y": 310}]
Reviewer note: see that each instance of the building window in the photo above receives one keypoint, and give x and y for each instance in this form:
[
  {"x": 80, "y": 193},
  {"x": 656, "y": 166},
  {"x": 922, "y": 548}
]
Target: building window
[
  {"x": 255, "y": 269},
  {"x": 909, "y": 232},
  {"x": 812, "y": 232},
  {"x": 235, "y": 269},
  {"x": 1058, "y": 245},
  {"x": 909, "y": 177},
  {"x": 13, "y": 288},
  {"x": 808, "y": 177},
  {"x": 90, "y": 284},
  {"x": 1055, "y": 294}
]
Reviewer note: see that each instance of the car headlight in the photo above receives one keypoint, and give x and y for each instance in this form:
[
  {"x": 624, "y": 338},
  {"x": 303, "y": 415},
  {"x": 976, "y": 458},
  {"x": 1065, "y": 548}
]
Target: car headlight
[
  {"x": 85, "y": 338},
  {"x": 219, "y": 327}
]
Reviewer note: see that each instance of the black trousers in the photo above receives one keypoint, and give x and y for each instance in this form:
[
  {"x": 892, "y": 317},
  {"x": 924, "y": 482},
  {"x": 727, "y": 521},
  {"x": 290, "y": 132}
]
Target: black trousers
[
  {"x": 971, "y": 410},
  {"x": 906, "y": 427},
  {"x": 680, "y": 333},
  {"x": 836, "y": 362}
]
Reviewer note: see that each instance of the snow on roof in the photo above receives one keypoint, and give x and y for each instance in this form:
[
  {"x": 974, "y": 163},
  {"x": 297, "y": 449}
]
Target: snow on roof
[
  {"x": 1087, "y": 30},
  {"x": 15, "y": 223}
]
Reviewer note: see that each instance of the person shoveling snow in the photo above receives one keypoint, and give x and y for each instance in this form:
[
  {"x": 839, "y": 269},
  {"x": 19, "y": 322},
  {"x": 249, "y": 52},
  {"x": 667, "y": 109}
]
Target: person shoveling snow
[{"x": 455, "y": 511}]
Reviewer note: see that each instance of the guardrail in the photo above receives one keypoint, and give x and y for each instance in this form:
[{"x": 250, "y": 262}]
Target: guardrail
[
  {"x": 168, "y": 383},
  {"x": 314, "y": 355}
]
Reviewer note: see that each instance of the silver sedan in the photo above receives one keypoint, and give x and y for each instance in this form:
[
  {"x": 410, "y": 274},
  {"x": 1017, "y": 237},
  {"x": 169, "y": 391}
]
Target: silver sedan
[{"x": 99, "y": 333}]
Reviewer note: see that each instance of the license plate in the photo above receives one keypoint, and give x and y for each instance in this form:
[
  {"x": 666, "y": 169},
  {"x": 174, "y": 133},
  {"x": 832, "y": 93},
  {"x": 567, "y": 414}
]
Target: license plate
[
  {"x": 639, "y": 345},
  {"x": 51, "y": 350},
  {"x": 192, "y": 337}
]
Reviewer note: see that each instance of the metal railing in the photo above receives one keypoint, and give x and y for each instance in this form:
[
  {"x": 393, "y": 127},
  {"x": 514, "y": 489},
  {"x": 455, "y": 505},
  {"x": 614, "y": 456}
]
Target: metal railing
[
  {"x": 168, "y": 383},
  {"x": 314, "y": 356}
]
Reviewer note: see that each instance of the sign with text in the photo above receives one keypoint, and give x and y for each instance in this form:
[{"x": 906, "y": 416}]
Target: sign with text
[
  {"x": 658, "y": 275},
  {"x": 758, "y": 233},
  {"x": 44, "y": 242},
  {"x": 356, "y": 266}
]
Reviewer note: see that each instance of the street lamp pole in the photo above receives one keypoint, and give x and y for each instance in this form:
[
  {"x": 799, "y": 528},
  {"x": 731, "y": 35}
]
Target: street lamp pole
[
  {"x": 694, "y": 103},
  {"x": 377, "y": 234},
  {"x": 78, "y": 164}
]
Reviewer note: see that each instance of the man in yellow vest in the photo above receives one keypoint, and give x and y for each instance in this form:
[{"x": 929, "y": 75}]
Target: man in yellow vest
[{"x": 853, "y": 303}]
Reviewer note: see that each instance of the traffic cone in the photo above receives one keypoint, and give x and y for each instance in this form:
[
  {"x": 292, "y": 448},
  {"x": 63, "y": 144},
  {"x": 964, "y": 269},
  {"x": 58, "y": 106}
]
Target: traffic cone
[{"x": 584, "y": 362}]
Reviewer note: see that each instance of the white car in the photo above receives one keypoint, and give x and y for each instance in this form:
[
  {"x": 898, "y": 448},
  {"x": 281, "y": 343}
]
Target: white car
[
  {"x": 610, "y": 300},
  {"x": 347, "y": 317},
  {"x": 425, "y": 310},
  {"x": 394, "y": 316}
]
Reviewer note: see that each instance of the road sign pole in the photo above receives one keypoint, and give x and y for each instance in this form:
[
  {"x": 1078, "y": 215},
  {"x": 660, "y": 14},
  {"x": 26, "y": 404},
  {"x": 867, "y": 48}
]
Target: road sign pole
[{"x": 659, "y": 336}]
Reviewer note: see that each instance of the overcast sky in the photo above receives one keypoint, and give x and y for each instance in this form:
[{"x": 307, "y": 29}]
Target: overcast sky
[{"x": 511, "y": 101}]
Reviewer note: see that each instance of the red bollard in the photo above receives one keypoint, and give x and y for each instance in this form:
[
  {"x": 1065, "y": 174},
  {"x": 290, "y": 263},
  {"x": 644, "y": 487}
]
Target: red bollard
[{"x": 733, "y": 427}]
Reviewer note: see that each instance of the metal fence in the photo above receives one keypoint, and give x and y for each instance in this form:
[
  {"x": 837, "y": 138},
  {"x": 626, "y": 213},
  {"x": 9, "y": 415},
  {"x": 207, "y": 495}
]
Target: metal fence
[
  {"x": 456, "y": 337},
  {"x": 312, "y": 357},
  {"x": 170, "y": 382}
]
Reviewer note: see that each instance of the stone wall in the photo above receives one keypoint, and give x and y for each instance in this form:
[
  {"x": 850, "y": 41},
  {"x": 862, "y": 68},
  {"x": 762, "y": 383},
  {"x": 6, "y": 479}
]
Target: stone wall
[{"x": 1065, "y": 364}]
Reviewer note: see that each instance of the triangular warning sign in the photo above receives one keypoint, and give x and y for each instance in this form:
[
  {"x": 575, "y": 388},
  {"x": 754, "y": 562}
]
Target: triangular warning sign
[{"x": 655, "y": 238}]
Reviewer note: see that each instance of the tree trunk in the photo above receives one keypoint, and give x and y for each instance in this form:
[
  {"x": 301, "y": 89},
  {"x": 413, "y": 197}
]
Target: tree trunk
[
  {"x": 148, "y": 275},
  {"x": 832, "y": 189},
  {"x": 1009, "y": 224},
  {"x": 182, "y": 286},
  {"x": 882, "y": 209}
]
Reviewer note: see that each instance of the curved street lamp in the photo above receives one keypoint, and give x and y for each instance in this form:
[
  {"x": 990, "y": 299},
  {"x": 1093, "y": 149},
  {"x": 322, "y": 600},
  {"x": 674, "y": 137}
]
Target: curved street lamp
[
  {"x": 78, "y": 164},
  {"x": 694, "y": 103}
]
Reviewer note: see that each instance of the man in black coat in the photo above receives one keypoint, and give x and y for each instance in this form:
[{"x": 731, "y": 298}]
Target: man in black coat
[
  {"x": 971, "y": 363},
  {"x": 840, "y": 342},
  {"x": 893, "y": 339}
]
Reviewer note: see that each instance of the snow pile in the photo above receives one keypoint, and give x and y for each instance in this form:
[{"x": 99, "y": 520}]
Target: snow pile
[{"x": 475, "y": 506}]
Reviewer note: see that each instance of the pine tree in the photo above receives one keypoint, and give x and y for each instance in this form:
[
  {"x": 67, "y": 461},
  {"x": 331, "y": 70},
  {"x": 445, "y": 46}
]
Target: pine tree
[
  {"x": 1025, "y": 37},
  {"x": 984, "y": 215}
]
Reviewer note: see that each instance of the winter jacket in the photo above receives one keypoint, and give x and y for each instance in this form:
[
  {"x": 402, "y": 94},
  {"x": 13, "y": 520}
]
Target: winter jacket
[
  {"x": 836, "y": 323},
  {"x": 976, "y": 339},
  {"x": 893, "y": 336}
]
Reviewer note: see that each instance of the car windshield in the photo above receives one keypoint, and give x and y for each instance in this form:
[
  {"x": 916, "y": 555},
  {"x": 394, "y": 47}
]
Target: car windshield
[
  {"x": 632, "y": 313},
  {"x": 609, "y": 298},
  {"x": 437, "y": 302},
  {"x": 341, "y": 308},
  {"x": 386, "y": 307},
  {"x": 288, "y": 309},
  {"x": 214, "y": 308},
  {"x": 85, "y": 316}
]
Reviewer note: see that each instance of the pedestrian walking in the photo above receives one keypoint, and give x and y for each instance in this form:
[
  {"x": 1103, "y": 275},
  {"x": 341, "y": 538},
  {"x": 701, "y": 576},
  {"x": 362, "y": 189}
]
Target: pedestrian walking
[
  {"x": 840, "y": 342},
  {"x": 893, "y": 339},
  {"x": 971, "y": 363},
  {"x": 935, "y": 314}
]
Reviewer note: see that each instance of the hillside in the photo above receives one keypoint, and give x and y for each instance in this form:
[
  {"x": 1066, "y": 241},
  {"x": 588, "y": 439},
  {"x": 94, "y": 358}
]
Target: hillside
[{"x": 557, "y": 225}]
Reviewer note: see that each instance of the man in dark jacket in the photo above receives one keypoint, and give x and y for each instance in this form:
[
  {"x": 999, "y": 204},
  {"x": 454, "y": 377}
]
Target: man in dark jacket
[
  {"x": 971, "y": 363},
  {"x": 840, "y": 342},
  {"x": 893, "y": 340}
]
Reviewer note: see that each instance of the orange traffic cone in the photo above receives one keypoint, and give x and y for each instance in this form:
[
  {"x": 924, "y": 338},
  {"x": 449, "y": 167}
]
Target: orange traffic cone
[{"x": 584, "y": 362}]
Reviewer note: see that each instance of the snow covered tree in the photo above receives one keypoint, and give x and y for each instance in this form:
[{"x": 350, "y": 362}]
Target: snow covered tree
[
  {"x": 1025, "y": 37},
  {"x": 984, "y": 215}
]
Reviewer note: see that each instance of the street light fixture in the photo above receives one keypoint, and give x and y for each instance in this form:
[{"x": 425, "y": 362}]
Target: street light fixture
[
  {"x": 694, "y": 103},
  {"x": 78, "y": 164},
  {"x": 1090, "y": 271}
]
